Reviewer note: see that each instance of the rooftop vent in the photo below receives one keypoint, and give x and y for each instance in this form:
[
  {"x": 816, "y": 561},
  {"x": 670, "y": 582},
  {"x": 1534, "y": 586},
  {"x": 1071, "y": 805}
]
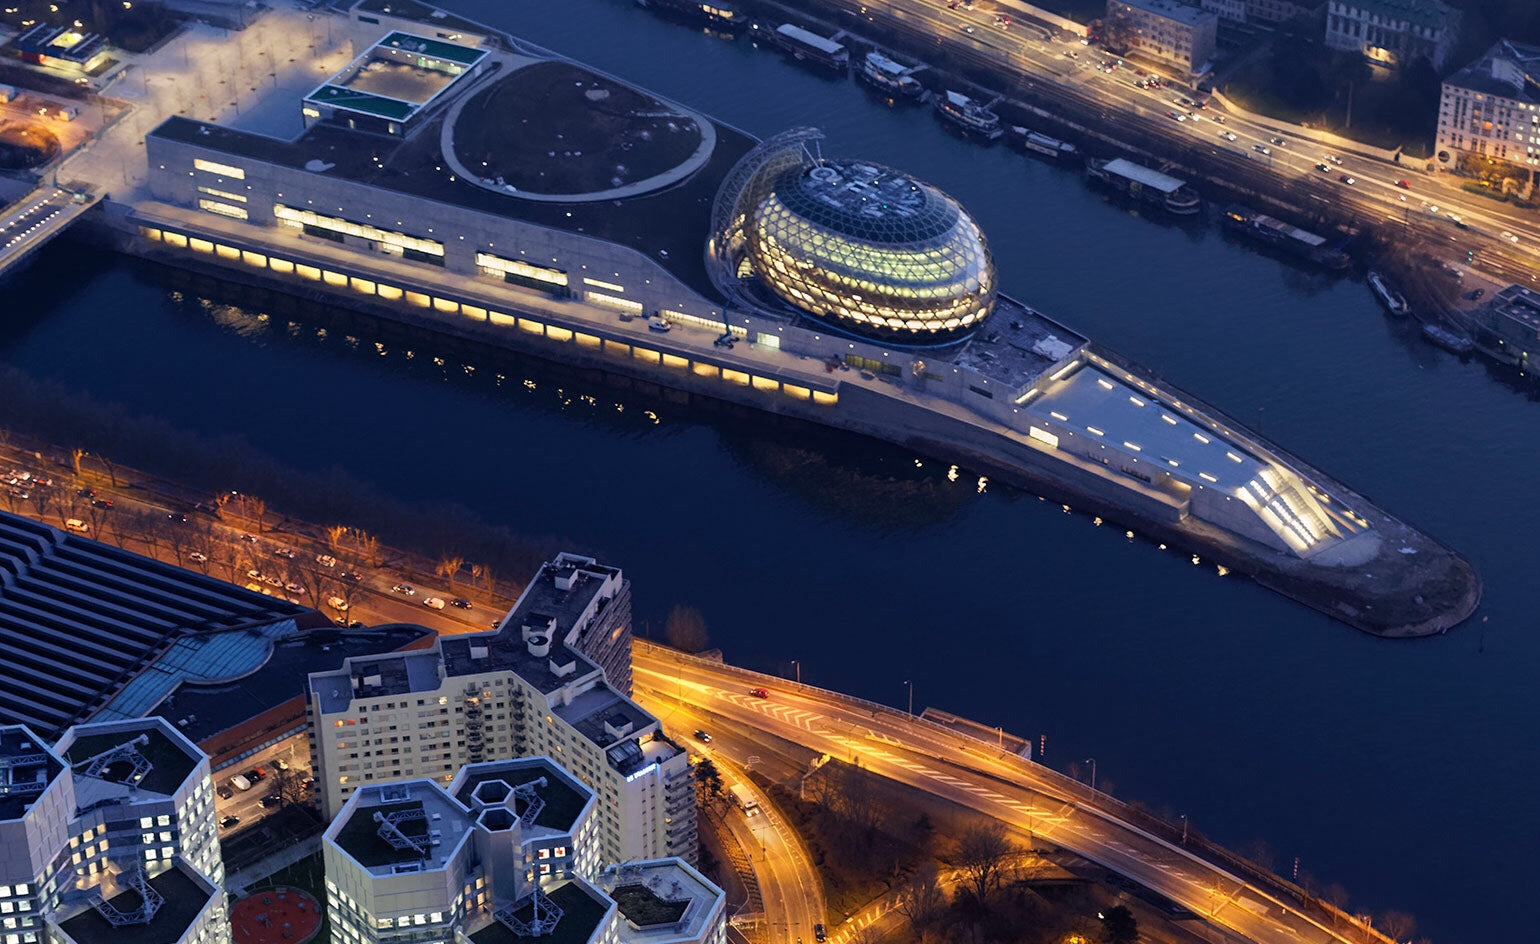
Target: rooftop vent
[
  {"x": 479, "y": 652},
  {"x": 566, "y": 578},
  {"x": 617, "y": 726},
  {"x": 539, "y": 646},
  {"x": 563, "y": 666}
]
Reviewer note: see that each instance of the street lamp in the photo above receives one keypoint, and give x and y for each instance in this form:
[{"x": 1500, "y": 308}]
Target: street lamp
[
  {"x": 798, "y": 665},
  {"x": 910, "y": 684},
  {"x": 1184, "y": 829},
  {"x": 1092, "y": 762}
]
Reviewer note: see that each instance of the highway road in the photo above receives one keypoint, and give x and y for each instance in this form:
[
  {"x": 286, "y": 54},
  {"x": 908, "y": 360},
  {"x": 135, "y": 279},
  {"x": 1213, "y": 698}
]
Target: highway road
[
  {"x": 1033, "y": 62},
  {"x": 973, "y": 774}
]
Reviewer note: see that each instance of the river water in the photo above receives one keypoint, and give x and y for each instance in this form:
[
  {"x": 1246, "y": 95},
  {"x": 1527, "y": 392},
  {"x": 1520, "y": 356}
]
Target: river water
[{"x": 1402, "y": 770}]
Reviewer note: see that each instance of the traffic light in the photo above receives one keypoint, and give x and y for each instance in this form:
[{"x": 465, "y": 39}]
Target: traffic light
[{"x": 1470, "y": 255}]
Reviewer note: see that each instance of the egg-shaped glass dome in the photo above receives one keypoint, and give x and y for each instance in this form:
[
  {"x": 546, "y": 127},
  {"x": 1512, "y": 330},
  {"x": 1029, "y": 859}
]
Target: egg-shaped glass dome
[{"x": 873, "y": 250}]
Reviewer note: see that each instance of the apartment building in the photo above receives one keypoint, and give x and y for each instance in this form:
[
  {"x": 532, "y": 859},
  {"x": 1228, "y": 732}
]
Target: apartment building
[
  {"x": 1169, "y": 32},
  {"x": 1393, "y": 32},
  {"x": 523, "y": 689},
  {"x": 1492, "y": 108},
  {"x": 108, "y": 834},
  {"x": 507, "y": 852}
]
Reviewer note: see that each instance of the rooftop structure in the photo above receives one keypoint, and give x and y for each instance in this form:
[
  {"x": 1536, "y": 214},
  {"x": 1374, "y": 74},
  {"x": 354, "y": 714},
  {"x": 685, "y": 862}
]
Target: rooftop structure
[
  {"x": 91, "y": 631},
  {"x": 1512, "y": 322},
  {"x": 401, "y": 826},
  {"x": 1180, "y": 34},
  {"x": 175, "y": 905},
  {"x": 543, "y": 795},
  {"x": 665, "y": 902},
  {"x": 1489, "y": 108},
  {"x": 49, "y": 44},
  {"x": 113, "y": 834},
  {"x": 392, "y": 82}
]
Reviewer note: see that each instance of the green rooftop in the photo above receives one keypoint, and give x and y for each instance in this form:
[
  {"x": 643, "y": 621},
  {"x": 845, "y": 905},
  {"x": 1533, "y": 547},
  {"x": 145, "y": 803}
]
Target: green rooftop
[
  {"x": 433, "y": 48},
  {"x": 339, "y": 97}
]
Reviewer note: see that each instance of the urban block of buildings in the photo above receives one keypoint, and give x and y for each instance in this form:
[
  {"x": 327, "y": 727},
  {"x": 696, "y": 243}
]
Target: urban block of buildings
[
  {"x": 1491, "y": 108},
  {"x": 1167, "y": 31},
  {"x": 91, "y": 632},
  {"x": 1260, "y": 11},
  {"x": 508, "y": 852},
  {"x": 109, "y": 835},
  {"x": 1394, "y": 32},
  {"x": 1510, "y": 323},
  {"x": 534, "y": 686}
]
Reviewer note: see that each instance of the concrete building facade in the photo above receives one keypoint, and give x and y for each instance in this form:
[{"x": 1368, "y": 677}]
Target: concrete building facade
[
  {"x": 525, "y": 688},
  {"x": 1492, "y": 108},
  {"x": 1393, "y": 32},
  {"x": 507, "y": 852},
  {"x": 110, "y": 832},
  {"x": 1169, "y": 32}
]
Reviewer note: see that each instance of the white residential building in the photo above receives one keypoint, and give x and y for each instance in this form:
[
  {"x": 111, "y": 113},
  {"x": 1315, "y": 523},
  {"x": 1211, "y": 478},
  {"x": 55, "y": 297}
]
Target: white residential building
[
  {"x": 1392, "y": 32},
  {"x": 1174, "y": 33},
  {"x": 1492, "y": 108},
  {"x": 523, "y": 689},
  {"x": 506, "y": 853},
  {"x": 110, "y": 833}
]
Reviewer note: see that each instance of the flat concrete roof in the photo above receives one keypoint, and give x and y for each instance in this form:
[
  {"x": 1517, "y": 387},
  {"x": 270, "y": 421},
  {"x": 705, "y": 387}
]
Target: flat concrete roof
[
  {"x": 1130, "y": 423},
  {"x": 419, "y": 829}
]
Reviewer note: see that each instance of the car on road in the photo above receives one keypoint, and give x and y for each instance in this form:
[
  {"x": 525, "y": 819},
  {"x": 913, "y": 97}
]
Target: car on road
[
  {"x": 351, "y": 577},
  {"x": 1508, "y": 236},
  {"x": 338, "y": 604},
  {"x": 287, "y": 552},
  {"x": 225, "y": 792},
  {"x": 969, "y": 30},
  {"x": 1455, "y": 219},
  {"x": 433, "y": 603},
  {"x": 1175, "y": 115},
  {"x": 819, "y": 934},
  {"x": 1403, "y": 185},
  {"x": 249, "y": 538},
  {"x": 759, "y": 693},
  {"x": 1004, "y": 22},
  {"x": 1348, "y": 179},
  {"x": 326, "y": 560},
  {"x": 405, "y": 589},
  {"x": 88, "y": 492},
  {"x": 101, "y": 503},
  {"x": 1262, "y": 149},
  {"x": 271, "y": 800},
  {"x": 198, "y": 557},
  {"x": 1218, "y": 118},
  {"x": 76, "y": 525},
  {"x": 1475, "y": 294},
  {"x": 1334, "y": 159},
  {"x": 176, "y": 517},
  {"x": 460, "y": 603},
  {"x": 702, "y": 736},
  {"x": 1323, "y": 168},
  {"x": 1227, "y": 135},
  {"x": 1278, "y": 142},
  {"x": 229, "y": 822}
]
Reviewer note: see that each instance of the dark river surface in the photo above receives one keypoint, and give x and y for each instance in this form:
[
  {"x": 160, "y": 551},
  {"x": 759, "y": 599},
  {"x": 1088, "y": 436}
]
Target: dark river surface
[{"x": 1402, "y": 770}]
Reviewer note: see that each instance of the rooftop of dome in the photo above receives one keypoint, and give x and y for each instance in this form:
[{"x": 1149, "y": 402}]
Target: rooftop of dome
[{"x": 868, "y": 201}]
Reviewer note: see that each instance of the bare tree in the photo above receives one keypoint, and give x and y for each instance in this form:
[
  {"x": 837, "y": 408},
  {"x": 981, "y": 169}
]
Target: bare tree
[
  {"x": 448, "y": 566},
  {"x": 76, "y": 454},
  {"x": 287, "y": 786},
  {"x": 111, "y": 467},
  {"x": 369, "y": 547},
  {"x": 686, "y": 628},
  {"x": 1398, "y": 925},
  {"x": 865, "y": 935},
  {"x": 42, "y": 500},
  {"x": 334, "y": 536},
  {"x": 923, "y": 901},
  {"x": 1336, "y": 896},
  {"x": 982, "y": 852},
  {"x": 11, "y": 499},
  {"x": 69, "y": 507},
  {"x": 256, "y": 510},
  {"x": 178, "y": 538}
]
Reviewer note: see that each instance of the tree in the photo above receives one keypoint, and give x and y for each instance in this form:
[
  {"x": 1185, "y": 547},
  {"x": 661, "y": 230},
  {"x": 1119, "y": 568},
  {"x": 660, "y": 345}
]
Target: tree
[
  {"x": 923, "y": 901},
  {"x": 1336, "y": 896},
  {"x": 256, "y": 509},
  {"x": 981, "y": 853},
  {"x": 287, "y": 786},
  {"x": 111, "y": 467},
  {"x": 1398, "y": 925},
  {"x": 708, "y": 781},
  {"x": 686, "y": 628},
  {"x": 1119, "y": 926},
  {"x": 42, "y": 500},
  {"x": 76, "y": 454},
  {"x": 448, "y": 566},
  {"x": 865, "y": 935},
  {"x": 369, "y": 547},
  {"x": 334, "y": 535}
]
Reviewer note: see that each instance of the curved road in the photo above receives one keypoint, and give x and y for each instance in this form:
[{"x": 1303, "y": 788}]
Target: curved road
[{"x": 968, "y": 772}]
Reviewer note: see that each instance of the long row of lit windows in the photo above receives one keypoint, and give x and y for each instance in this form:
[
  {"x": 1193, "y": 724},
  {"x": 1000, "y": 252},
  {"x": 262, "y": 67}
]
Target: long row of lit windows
[
  {"x": 223, "y": 170},
  {"x": 336, "y": 224},
  {"x": 497, "y": 265},
  {"x": 223, "y": 194},
  {"x": 223, "y": 209},
  {"x": 615, "y": 348}
]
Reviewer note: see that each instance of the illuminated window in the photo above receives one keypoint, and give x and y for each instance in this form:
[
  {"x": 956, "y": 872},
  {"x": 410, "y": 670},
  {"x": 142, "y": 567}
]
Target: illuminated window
[
  {"x": 599, "y": 283},
  {"x": 223, "y": 194},
  {"x": 223, "y": 209},
  {"x": 622, "y": 305},
  {"x": 558, "y": 334},
  {"x": 214, "y": 167}
]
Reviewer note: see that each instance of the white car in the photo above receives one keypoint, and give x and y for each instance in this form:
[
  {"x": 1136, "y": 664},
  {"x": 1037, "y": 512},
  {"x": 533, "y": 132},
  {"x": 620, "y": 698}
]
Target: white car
[
  {"x": 198, "y": 557},
  {"x": 287, "y": 552},
  {"x": 433, "y": 603},
  {"x": 1508, "y": 236},
  {"x": 1227, "y": 135},
  {"x": 338, "y": 604},
  {"x": 326, "y": 560}
]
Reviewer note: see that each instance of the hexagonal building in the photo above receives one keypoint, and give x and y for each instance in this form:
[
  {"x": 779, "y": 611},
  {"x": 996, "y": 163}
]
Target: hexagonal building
[{"x": 854, "y": 244}]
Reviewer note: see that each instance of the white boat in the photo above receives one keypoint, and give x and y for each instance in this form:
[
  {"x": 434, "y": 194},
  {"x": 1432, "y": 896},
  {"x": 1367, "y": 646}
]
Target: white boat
[
  {"x": 889, "y": 75},
  {"x": 972, "y": 117},
  {"x": 1391, "y": 299}
]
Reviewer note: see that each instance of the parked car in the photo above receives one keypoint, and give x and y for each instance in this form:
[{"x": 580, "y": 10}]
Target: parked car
[
  {"x": 271, "y": 800},
  {"x": 249, "y": 538},
  {"x": 240, "y": 782},
  {"x": 281, "y": 764},
  {"x": 229, "y": 822},
  {"x": 256, "y": 774},
  {"x": 433, "y": 603},
  {"x": 198, "y": 557},
  {"x": 225, "y": 792}
]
